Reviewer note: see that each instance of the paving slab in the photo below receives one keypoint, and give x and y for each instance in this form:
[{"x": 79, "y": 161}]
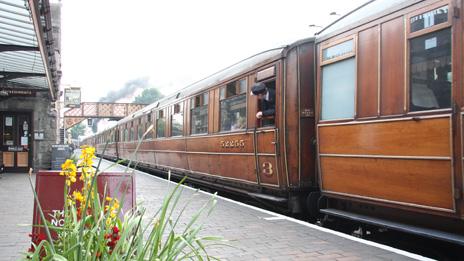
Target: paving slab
[{"x": 251, "y": 233}]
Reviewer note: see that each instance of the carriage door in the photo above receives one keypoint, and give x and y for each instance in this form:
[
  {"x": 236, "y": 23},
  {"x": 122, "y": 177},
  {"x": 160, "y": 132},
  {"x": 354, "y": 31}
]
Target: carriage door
[
  {"x": 266, "y": 134},
  {"x": 15, "y": 141}
]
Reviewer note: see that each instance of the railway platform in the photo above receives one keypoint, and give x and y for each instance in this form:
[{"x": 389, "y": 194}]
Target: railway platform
[{"x": 251, "y": 233}]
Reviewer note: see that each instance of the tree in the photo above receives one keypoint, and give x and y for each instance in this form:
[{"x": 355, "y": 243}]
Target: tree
[
  {"x": 77, "y": 131},
  {"x": 148, "y": 96}
]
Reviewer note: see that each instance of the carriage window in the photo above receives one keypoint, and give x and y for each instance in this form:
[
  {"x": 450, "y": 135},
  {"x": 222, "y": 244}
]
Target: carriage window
[
  {"x": 147, "y": 125},
  {"x": 338, "y": 51},
  {"x": 177, "y": 121},
  {"x": 429, "y": 19},
  {"x": 140, "y": 131},
  {"x": 338, "y": 90},
  {"x": 233, "y": 106},
  {"x": 199, "y": 112},
  {"x": 430, "y": 69},
  {"x": 131, "y": 134},
  {"x": 160, "y": 124}
]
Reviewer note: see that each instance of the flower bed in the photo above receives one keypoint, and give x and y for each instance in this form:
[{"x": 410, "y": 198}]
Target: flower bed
[{"x": 97, "y": 223}]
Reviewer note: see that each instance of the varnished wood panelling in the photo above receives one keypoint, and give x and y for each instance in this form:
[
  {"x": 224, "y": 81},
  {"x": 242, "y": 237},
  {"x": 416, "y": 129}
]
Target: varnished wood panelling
[
  {"x": 392, "y": 67},
  {"x": 22, "y": 159},
  {"x": 187, "y": 117},
  {"x": 268, "y": 170},
  {"x": 174, "y": 159},
  {"x": 425, "y": 137},
  {"x": 292, "y": 115},
  {"x": 307, "y": 130},
  {"x": 252, "y": 103},
  {"x": 367, "y": 102},
  {"x": 8, "y": 159},
  {"x": 146, "y": 156},
  {"x": 421, "y": 182},
  {"x": 215, "y": 144},
  {"x": 174, "y": 144},
  {"x": 308, "y": 151},
  {"x": 211, "y": 107},
  {"x": 266, "y": 142},
  {"x": 237, "y": 167},
  {"x": 216, "y": 111},
  {"x": 199, "y": 163}
]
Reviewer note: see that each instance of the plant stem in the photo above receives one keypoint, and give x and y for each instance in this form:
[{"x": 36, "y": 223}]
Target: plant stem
[{"x": 81, "y": 230}]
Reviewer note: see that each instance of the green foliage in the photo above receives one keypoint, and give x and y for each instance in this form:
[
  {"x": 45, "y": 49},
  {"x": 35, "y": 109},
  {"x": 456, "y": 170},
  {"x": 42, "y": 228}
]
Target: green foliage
[
  {"x": 148, "y": 96},
  {"x": 77, "y": 130},
  {"x": 93, "y": 229}
]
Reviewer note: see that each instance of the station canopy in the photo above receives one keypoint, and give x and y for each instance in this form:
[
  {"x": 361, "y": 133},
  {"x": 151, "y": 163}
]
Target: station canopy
[{"x": 27, "y": 53}]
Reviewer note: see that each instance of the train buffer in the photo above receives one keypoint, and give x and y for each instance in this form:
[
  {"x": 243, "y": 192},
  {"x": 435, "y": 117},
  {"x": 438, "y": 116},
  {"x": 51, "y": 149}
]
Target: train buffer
[{"x": 252, "y": 233}]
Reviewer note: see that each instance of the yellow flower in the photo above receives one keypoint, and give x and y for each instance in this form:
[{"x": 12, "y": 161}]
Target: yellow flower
[
  {"x": 69, "y": 201},
  {"x": 78, "y": 196}
]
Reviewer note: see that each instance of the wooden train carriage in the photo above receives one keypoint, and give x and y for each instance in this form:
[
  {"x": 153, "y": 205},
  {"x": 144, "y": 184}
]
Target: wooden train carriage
[
  {"x": 107, "y": 141},
  {"x": 209, "y": 130},
  {"x": 389, "y": 117}
]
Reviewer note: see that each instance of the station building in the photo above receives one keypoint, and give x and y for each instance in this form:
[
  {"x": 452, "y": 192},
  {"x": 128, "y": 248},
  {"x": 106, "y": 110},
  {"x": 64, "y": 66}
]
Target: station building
[{"x": 30, "y": 72}]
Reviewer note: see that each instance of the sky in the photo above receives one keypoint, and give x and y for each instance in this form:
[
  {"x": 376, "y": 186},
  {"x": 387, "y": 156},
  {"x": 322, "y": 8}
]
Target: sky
[{"x": 106, "y": 43}]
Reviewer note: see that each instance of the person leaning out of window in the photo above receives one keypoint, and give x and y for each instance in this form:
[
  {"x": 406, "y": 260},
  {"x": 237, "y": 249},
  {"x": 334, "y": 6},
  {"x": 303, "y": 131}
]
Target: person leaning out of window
[{"x": 267, "y": 97}]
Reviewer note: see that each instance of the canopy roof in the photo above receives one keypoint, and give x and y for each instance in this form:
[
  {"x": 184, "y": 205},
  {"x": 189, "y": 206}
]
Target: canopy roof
[{"x": 27, "y": 55}]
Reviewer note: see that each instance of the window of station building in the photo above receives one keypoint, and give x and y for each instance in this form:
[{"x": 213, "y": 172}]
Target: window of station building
[
  {"x": 177, "y": 121},
  {"x": 233, "y": 106},
  {"x": 338, "y": 81},
  {"x": 160, "y": 124},
  {"x": 430, "y": 61},
  {"x": 199, "y": 114}
]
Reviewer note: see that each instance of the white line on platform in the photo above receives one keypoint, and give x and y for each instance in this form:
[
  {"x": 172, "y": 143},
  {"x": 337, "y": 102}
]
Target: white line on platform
[
  {"x": 273, "y": 218},
  {"x": 277, "y": 216}
]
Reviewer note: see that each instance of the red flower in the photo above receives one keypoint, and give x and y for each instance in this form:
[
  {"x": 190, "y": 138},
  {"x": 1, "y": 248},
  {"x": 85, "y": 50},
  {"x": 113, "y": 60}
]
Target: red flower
[
  {"x": 36, "y": 238},
  {"x": 113, "y": 238}
]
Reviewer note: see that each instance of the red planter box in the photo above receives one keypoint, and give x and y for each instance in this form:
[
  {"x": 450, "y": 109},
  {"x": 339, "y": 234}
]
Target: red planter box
[{"x": 50, "y": 191}]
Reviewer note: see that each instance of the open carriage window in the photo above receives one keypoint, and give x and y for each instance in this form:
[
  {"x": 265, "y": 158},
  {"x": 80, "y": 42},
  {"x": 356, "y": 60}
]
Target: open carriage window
[
  {"x": 177, "y": 121},
  {"x": 233, "y": 106},
  {"x": 267, "y": 104},
  {"x": 199, "y": 114},
  {"x": 338, "y": 81},
  {"x": 160, "y": 124},
  {"x": 430, "y": 61}
]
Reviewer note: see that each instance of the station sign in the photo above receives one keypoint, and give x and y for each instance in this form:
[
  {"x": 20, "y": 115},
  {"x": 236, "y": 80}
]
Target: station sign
[
  {"x": 17, "y": 92},
  {"x": 49, "y": 186},
  {"x": 72, "y": 97}
]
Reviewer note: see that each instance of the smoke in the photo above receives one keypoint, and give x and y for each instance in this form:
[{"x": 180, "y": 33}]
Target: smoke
[{"x": 127, "y": 90}]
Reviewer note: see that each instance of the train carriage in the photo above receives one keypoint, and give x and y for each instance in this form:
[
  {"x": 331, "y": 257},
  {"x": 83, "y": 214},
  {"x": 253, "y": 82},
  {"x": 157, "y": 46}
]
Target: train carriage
[
  {"x": 389, "y": 118},
  {"x": 368, "y": 123},
  {"x": 209, "y": 130}
]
